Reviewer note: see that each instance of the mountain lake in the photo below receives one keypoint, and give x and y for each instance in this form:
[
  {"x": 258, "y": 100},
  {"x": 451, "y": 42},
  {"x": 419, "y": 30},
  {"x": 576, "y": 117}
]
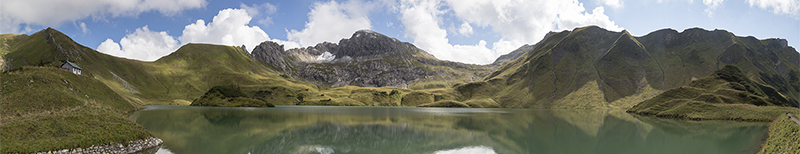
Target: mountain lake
[{"x": 413, "y": 130}]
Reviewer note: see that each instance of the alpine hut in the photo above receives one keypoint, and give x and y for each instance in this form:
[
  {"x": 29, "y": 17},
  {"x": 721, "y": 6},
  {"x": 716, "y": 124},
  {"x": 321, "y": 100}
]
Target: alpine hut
[{"x": 71, "y": 67}]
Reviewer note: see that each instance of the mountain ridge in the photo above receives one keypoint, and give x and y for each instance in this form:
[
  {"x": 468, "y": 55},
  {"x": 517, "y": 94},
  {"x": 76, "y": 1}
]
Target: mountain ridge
[
  {"x": 566, "y": 62},
  {"x": 368, "y": 59},
  {"x": 724, "y": 95},
  {"x": 624, "y": 69}
]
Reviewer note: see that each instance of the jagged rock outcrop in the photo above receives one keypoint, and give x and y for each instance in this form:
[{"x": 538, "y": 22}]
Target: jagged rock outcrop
[
  {"x": 272, "y": 53},
  {"x": 367, "y": 59}
]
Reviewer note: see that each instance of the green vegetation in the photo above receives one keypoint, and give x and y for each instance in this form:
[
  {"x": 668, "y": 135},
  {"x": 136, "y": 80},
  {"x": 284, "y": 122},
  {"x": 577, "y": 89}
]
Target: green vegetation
[
  {"x": 580, "y": 65},
  {"x": 228, "y": 96},
  {"x": 725, "y": 95},
  {"x": 181, "y": 76},
  {"x": 784, "y": 137},
  {"x": 417, "y": 98},
  {"x": 46, "y": 108},
  {"x": 445, "y": 103},
  {"x": 482, "y": 103}
]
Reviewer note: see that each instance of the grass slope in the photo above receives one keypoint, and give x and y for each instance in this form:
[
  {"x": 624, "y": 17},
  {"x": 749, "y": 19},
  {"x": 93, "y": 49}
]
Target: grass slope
[
  {"x": 179, "y": 77},
  {"x": 46, "y": 108},
  {"x": 623, "y": 70},
  {"x": 725, "y": 95},
  {"x": 228, "y": 96},
  {"x": 784, "y": 137}
]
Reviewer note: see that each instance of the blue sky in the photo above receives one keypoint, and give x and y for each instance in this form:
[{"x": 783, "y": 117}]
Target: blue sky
[{"x": 470, "y": 31}]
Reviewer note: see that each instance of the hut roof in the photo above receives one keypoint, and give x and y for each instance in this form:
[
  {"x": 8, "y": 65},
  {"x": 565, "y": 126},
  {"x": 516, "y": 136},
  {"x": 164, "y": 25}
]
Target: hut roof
[{"x": 74, "y": 65}]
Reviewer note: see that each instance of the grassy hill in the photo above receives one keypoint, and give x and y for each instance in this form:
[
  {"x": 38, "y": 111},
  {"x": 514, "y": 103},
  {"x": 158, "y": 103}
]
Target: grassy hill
[
  {"x": 47, "y": 108},
  {"x": 591, "y": 67},
  {"x": 177, "y": 78},
  {"x": 725, "y": 95}
]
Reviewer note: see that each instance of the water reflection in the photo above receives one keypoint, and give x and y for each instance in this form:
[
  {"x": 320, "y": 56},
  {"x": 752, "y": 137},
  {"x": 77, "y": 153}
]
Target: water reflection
[
  {"x": 303, "y": 129},
  {"x": 468, "y": 150}
]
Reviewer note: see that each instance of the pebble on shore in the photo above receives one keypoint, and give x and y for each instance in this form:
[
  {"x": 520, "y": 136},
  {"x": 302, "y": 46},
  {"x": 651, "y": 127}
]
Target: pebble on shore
[{"x": 114, "y": 148}]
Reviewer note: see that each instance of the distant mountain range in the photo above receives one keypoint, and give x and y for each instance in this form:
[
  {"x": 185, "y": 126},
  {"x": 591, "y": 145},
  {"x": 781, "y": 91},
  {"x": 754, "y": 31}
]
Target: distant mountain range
[{"x": 587, "y": 67}]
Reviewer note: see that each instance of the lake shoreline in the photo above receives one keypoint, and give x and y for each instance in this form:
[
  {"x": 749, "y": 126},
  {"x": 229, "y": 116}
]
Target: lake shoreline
[
  {"x": 133, "y": 146},
  {"x": 783, "y": 137}
]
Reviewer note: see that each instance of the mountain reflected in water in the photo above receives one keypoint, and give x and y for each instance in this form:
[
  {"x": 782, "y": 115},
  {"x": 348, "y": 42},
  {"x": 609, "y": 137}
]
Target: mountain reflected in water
[{"x": 318, "y": 129}]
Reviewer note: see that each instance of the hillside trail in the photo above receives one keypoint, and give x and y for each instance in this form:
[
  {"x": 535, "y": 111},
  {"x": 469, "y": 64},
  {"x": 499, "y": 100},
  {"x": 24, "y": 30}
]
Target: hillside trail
[{"x": 793, "y": 118}]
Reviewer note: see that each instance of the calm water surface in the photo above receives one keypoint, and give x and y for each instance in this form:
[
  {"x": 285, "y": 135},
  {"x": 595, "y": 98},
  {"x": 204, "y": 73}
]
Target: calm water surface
[{"x": 327, "y": 130}]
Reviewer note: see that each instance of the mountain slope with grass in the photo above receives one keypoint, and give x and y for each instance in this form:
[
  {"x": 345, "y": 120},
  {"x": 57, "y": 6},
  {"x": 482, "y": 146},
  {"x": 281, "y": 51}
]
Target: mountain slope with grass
[
  {"x": 177, "y": 78},
  {"x": 725, "y": 95},
  {"x": 46, "y": 108},
  {"x": 591, "y": 67}
]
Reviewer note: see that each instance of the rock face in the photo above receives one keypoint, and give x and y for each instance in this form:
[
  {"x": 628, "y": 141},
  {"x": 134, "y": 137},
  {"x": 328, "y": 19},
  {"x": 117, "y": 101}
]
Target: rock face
[
  {"x": 272, "y": 53},
  {"x": 367, "y": 59}
]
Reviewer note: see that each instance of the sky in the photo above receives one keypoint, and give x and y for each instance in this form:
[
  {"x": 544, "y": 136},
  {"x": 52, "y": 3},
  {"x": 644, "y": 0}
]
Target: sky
[{"x": 469, "y": 31}]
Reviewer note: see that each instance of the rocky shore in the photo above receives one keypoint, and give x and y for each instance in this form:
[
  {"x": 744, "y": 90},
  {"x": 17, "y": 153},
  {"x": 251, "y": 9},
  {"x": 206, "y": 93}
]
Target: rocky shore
[{"x": 114, "y": 148}]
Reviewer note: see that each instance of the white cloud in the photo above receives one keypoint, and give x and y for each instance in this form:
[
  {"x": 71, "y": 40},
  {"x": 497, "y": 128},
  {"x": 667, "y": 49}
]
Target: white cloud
[
  {"x": 517, "y": 21},
  {"x": 142, "y": 44},
  {"x": 421, "y": 19},
  {"x": 229, "y": 27},
  {"x": 788, "y": 7},
  {"x": 529, "y": 21},
  {"x": 332, "y": 21},
  {"x": 83, "y": 28},
  {"x": 614, "y": 3},
  {"x": 711, "y": 6},
  {"x": 257, "y": 10},
  {"x": 13, "y": 13},
  {"x": 465, "y": 29}
]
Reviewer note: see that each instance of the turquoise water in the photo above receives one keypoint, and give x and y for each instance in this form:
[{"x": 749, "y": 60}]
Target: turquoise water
[{"x": 323, "y": 129}]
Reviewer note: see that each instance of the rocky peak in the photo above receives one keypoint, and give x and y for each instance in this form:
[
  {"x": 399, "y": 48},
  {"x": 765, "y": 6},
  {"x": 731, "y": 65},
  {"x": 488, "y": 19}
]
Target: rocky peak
[
  {"x": 272, "y": 53},
  {"x": 777, "y": 42},
  {"x": 367, "y": 58},
  {"x": 369, "y": 43}
]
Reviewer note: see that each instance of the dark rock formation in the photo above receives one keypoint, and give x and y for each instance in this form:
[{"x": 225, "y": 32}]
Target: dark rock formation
[
  {"x": 368, "y": 59},
  {"x": 271, "y": 53}
]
